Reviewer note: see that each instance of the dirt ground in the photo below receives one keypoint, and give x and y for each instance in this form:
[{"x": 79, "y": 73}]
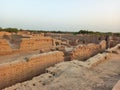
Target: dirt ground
[
  {"x": 71, "y": 76},
  {"x": 109, "y": 72},
  {"x": 102, "y": 77}
]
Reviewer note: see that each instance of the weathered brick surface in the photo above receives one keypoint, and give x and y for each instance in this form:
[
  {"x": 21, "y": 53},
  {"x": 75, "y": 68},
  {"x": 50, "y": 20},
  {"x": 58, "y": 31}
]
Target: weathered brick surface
[
  {"x": 21, "y": 70},
  {"x": 26, "y": 44},
  {"x": 4, "y": 47},
  {"x": 83, "y": 52},
  {"x": 4, "y": 33},
  {"x": 93, "y": 61},
  {"x": 36, "y": 43}
]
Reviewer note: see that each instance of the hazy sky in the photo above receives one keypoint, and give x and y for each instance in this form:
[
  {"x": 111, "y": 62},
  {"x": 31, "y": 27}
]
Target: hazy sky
[{"x": 66, "y": 15}]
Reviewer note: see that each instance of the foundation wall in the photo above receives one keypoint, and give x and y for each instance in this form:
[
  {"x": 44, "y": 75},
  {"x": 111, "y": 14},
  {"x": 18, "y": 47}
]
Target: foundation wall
[
  {"x": 26, "y": 44},
  {"x": 21, "y": 70},
  {"x": 4, "y": 47},
  {"x": 83, "y": 52},
  {"x": 34, "y": 43}
]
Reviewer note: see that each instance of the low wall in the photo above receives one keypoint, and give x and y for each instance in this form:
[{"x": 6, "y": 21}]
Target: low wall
[
  {"x": 36, "y": 43},
  {"x": 93, "y": 61},
  {"x": 26, "y": 44},
  {"x": 115, "y": 49},
  {"x": 83, "y": 52},
  {"x": 21, "y": 70},
  {"x": 2, "y": 33},
  {"x": 4, "y": 47}
]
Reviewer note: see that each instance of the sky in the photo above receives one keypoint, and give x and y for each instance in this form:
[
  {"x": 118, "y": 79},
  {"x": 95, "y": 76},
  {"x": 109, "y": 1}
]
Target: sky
[{"x": 63, "y": 15}]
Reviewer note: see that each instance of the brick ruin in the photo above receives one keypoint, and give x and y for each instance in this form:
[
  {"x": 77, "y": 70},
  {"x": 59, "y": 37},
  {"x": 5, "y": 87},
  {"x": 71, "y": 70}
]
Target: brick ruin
[
  {"x": 21, "y": 70},
  {"x": 4, "y": 47},
  {"x": 24, "y": 41},
  {"x": 15, "y": 43},
  {"x": 36, "y": 43},
  {"x": 86, "y": 39},
  {"x": 2, "y": 33},
  {"x": 83, "y": 52},
  {"x": 25, "y": 68},
  {"x": 52, "y": 73}
]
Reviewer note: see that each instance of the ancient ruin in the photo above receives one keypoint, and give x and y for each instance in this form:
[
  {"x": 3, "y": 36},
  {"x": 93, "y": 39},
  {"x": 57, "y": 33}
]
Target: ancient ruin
[{"x": 49, "y": 61}]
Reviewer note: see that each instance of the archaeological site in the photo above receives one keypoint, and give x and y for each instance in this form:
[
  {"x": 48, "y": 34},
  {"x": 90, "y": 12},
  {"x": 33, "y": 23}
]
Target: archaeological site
[{"x": 58, "y": 61}]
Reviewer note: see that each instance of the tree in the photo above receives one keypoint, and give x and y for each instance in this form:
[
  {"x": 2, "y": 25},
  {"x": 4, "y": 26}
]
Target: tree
[{"x": 11, "y": 30}]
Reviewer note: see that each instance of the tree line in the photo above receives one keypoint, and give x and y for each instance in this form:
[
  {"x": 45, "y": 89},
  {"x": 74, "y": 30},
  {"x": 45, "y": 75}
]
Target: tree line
[
  {"x": 9, "y": 29},
  {"x": 60, "y": 32}
]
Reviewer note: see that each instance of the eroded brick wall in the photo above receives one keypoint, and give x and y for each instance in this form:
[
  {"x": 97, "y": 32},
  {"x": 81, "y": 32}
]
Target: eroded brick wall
[
  {"x": 36, "y": 43},
  {"x": 82, "y": 52},
  {"x": 26, "y": 44},
  {"x": 2, "y": 33},
  {"x": 4, "y": 47},
  {"x": 21, "y": 70}
]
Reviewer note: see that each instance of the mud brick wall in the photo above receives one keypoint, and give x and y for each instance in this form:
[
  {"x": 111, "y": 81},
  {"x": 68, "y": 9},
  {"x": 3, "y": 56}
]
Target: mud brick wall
[
  {"x": 36, "y": 43},
  {"x": 2, "y": 33},
  {"x": 26, "y": 44},
  {"x": 114, "y": 41},
  {"x": 83, "y": 52},
  {"x": 4, "y": 47},
  {"x": 103, "y": 45},
  {"x": 21, "y": 70}
]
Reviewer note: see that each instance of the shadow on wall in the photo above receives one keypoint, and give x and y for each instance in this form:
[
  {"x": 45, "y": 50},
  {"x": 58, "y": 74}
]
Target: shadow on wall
[{"x": 24, "y": 44}]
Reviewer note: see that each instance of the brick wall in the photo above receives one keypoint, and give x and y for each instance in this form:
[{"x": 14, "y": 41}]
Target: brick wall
[
  {"x": 2, "y": 33},
  {"x": 82, "y": 52},
  {"x": 21, "y": 70},
  {"x": 4, "y": 47},
  {"x": 26, "y": 44},
  {"x": 36, "y": 43}
]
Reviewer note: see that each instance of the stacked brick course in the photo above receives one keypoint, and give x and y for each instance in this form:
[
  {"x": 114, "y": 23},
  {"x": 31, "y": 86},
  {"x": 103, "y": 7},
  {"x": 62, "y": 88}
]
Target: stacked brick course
[
  {"x": 4, "y": 47},
  {"x": 26, "y": 44},
  {"x": 83, "y": 52},
  {"x": 21, "y": 70},
  {"x": 36, "y": 43}
]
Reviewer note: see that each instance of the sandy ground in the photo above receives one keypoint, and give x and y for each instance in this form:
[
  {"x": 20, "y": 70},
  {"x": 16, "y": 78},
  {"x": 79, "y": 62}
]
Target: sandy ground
[
  {"x": 109, "y": 72},
  {"x": 102, "y": 77},
  {"x": 71, "y": 76}
]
